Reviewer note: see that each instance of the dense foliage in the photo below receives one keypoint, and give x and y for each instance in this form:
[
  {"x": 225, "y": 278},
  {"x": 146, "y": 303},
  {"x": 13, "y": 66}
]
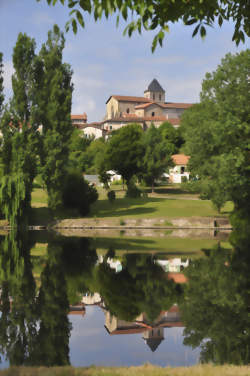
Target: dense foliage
[
  {"x": 153, "y": 14},
  {"x": 217, "y": 132},
  {"x": 38, "y": 136}
]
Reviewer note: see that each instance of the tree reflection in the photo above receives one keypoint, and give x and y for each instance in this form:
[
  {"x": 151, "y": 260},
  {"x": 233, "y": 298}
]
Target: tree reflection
[
  {"x": 34, "y": 326},
  {"x": 217, "y": 303},
  {"x": 141, "y": 286}
]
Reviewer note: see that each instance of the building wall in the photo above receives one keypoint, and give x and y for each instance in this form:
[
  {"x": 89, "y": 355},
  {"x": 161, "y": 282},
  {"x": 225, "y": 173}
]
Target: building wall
[
  {"x": 112, "y": 108},
  {"x": 156, "y": 96},
  {"x": 174, "y": 113},
  {"x": 158, "y": 111}
]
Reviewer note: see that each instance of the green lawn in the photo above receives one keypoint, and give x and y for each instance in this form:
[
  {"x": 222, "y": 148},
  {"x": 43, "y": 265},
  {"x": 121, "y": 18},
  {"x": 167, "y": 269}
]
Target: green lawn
[
  {"x": 146, "y": 370},
  {"x": 156, "y": 207},
  {"x": 165, "y": 202},
  {"x": 166, "y": 245}
]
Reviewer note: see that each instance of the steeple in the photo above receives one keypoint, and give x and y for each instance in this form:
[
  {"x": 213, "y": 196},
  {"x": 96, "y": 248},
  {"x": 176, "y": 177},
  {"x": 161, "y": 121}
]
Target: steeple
[{"x": 155, "y": 92}]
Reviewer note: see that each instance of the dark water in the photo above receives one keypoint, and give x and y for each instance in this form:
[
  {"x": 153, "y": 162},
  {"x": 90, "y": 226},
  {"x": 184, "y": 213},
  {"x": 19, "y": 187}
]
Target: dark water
[{"x": 65, "y": 301}]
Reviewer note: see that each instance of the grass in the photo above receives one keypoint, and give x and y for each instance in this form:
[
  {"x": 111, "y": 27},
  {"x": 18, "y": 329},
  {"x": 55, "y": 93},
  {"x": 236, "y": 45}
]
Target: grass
[
  {"x": 170, "y": 246},
  {"x": 146, "y": 370},
  {"x": 156, "y": 207},
  {"x": 165, "y": 202}
]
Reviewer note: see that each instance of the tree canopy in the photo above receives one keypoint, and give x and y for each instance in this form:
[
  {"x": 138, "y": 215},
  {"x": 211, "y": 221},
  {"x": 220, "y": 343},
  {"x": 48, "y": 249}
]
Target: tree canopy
[
  {"x": 158, "y": 14},
  {"x": 217, "y": 131}
]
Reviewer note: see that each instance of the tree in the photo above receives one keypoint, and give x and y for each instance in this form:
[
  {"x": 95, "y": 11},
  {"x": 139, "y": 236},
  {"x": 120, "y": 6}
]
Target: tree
[
  {"x": 1, "y": 82},
  {"x": 54, "y": 103},
  {"x": 150, "y": 14},
  {"x": 172, "y": 135},
  {"x": 20, "y": 136},
  {"x": 124, "y": 151},
  {"x": 217, "y": 131},
  {"x": 217, "y": 291},
  {"x": 77, "y": 148},
  {"x": 157, "y": 155}
]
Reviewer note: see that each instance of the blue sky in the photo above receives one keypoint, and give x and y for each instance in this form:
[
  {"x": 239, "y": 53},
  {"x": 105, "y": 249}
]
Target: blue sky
[{"x": 105, "y": 62}]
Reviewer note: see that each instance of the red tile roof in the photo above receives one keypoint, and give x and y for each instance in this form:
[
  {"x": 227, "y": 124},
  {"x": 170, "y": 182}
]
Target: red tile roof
[
  {"x": 180, "y": 159},
  {"x": 177, "y": 277},
  {"x": 174, "y": 121},
  {"x": 80, "y": 117},
  {"x": 145, "y": 105},
  {"x": 178, "y": 105}
]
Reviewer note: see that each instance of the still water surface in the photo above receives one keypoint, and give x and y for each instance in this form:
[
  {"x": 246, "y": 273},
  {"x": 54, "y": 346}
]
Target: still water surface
[{"x": 80, "y": 301}]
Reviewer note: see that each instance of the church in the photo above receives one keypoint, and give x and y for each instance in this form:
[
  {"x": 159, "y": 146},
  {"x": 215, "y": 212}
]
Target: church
[{"x": 122, "y": 110}]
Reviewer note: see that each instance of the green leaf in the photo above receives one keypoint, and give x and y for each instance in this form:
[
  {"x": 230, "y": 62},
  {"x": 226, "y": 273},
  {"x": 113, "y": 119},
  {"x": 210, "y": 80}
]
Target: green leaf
[
  {"x": 203, "y": 31},
  {"x": 196, "y": 30},
  {"x": 72, "y": 3},
  {"x": 85, "y": 5},
  {"x": 80, "y": 18},
  {"x": 191, "y": 22},
  {"x": 74, "y": 25}
]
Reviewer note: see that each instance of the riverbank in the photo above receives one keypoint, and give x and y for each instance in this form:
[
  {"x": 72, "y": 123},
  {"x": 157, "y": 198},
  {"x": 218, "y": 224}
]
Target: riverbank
[{"x": 146, "y": 370}]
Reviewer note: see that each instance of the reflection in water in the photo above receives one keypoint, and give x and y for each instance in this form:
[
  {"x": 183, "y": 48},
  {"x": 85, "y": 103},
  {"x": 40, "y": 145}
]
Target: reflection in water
[
  {"x": 216, "y": 308},
  {"x": 138, "y": 293}
]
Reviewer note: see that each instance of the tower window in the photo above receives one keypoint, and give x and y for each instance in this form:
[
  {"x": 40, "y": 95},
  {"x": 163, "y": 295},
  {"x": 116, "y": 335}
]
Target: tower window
[{"x": 153, "y": 114}]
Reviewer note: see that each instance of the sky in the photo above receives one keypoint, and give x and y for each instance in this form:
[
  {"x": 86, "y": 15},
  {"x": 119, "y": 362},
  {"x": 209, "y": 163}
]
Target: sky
[{"x": 106, "y": 63}]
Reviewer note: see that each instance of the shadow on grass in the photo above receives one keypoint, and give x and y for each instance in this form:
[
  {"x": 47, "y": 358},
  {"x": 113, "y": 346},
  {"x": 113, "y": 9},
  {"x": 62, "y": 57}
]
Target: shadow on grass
[
  {"x": 122, "y": 207},
  {"x": 135, "y": 245},
  {"x": 43, "y": 216}
]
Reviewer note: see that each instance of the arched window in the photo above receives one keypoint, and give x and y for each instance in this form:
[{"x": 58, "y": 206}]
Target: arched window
[{"x": 153, "y": 114}]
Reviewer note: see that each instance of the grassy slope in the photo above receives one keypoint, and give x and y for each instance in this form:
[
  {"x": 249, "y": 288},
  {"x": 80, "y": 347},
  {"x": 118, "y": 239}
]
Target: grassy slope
[
  {"x": 147, "y": 370},
  {"x": 170, "y": 246},
  {"x": 164, "y": 203}
]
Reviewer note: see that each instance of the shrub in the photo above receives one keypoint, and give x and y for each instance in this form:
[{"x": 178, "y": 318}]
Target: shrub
[
  {"x": 117, "y": 182},
  {"x": 78, "y": 194},
  {"x": 193, "y": 186},
  {"x": 111, "y": 196},
  {"x": 133, "y": 191}
]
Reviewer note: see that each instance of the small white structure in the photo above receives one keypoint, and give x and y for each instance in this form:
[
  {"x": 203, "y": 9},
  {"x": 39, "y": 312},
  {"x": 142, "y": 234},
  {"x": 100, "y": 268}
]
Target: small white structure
[
  {"x": 173, "y": 265},
  {"x": 113, "y": 175},
  {"x": 91, "y": 299},
  {"x": 179, "y": 171}
]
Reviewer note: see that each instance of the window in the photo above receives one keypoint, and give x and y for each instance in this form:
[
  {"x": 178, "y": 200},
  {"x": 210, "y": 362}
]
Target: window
[
  {"x": 182, "y": 169},
  {"x": 153, "y": 114},
  {"x": 127, "y": 110},
  {"x": 110, "y": 127},
  {"x": 159, "y": 97},
  {"x": 153, "y": 97}
]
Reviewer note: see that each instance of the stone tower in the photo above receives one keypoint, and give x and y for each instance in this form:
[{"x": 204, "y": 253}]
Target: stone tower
[{"x": 155, "y": 92}]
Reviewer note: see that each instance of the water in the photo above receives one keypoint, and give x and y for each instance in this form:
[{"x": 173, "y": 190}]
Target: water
[{"x": 120, "y": 300}]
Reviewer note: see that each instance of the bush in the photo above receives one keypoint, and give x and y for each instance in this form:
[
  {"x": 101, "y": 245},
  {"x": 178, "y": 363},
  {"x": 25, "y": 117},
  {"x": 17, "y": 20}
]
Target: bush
[
  {"x": 111, "y": 196},
  {"x": 133, "y": 191},
  {"x": 117, "y": 182},
  {"x": 78, "y": 194},
  {"x": 192, "y": 186}
]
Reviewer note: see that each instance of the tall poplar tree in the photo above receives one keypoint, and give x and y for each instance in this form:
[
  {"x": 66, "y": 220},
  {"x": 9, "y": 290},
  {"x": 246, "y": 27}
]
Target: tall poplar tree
[
  {"x": 1, "y": 82},
  {"x": 20, "y": 136},
  {"x": 54, "y": 103}
]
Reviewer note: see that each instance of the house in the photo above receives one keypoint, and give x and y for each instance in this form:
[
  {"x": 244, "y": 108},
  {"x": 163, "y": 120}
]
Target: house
[
  {"x": 79, "y": 120},
  {"x": 152, "y": 333},
  {"x": 180, "y": 171},
  {"x": 145, "y": 110},
  {"x": 121, "y": 110}
]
